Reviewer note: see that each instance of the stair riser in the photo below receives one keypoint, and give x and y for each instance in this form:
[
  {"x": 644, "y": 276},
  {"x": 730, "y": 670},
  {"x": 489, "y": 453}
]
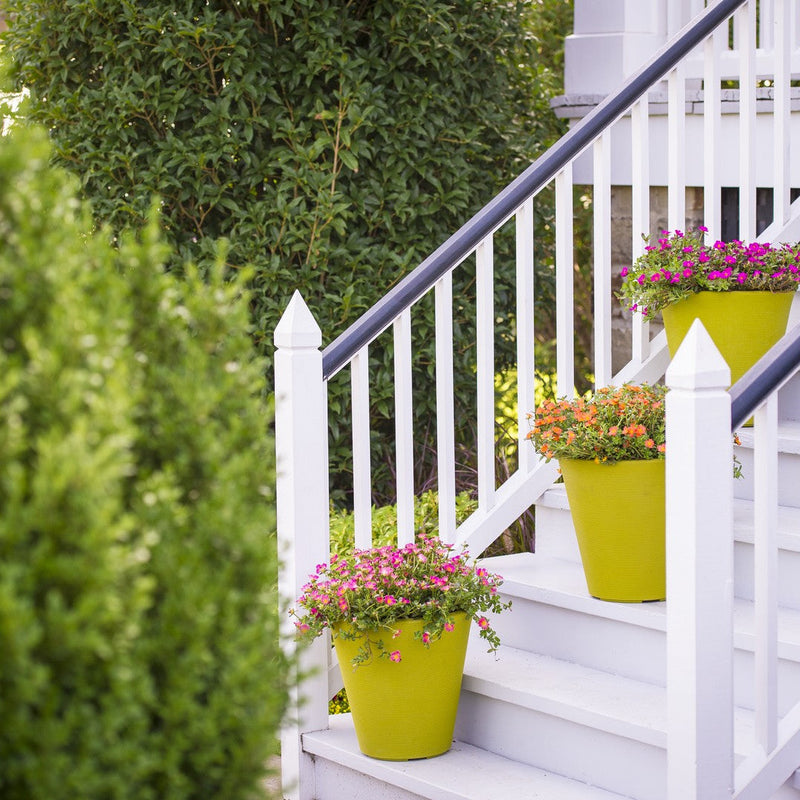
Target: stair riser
[
  {"x": 597, "y": 642},
  {"x": 789, "y": 398},
  {"x": 621, "y": 648},
  {"x": 336, "y": 782},
  {"x": 788, "y": 575},
  {"x": 601, "y": 758},
  {"x": 555, "y": 536},
  {"x": 788, "y": 477}
]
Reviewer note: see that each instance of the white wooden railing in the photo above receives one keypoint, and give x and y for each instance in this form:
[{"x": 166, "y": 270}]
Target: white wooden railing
[{"x": 620, "y": 124}]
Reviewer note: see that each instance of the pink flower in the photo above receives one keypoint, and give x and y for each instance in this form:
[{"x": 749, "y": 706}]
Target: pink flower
[
  {"x": 395, "y": 656},
  {"x": 483, "y": 623},
  {"x": 448, "y": 626},
  {"x": 426, "y": 637},
  {"x": 623, "y": 272}
]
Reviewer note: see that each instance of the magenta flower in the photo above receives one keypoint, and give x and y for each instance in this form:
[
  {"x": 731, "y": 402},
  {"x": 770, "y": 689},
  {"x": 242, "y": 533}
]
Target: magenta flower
[{"x": 395, "y": 656}]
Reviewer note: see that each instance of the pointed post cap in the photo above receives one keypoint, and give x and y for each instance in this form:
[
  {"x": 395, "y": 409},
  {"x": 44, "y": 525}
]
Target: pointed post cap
[
  {"x": 698, "y": 364},
  {"x": 297, "y": 327}
]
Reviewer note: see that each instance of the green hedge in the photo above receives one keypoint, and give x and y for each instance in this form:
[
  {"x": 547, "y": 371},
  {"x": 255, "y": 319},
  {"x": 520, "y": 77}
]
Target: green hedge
[
  {"x": 334, "y": 143},
  {"x": 138, "y": 620}
]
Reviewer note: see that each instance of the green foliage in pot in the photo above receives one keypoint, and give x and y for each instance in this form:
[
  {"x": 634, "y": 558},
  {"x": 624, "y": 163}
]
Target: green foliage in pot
[
  {"x": 682, "y": 264},
  {"x": 139, "y": 653},
  {"x": 335, "y": 145}
]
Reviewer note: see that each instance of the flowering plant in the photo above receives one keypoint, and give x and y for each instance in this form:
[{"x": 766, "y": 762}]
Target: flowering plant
[
  {"x": 681, "y": 264},
  {"x": 614, "y": 424},
  {"x": 374, "y": 589}
]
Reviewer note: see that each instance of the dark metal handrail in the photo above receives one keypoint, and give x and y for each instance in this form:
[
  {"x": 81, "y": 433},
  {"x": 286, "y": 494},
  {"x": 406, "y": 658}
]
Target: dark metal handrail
[
  {"x": 765, "y": 376},
  {"x": 537, "y": 175}
]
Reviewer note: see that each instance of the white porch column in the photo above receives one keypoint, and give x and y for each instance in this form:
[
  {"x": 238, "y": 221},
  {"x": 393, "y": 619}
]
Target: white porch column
[
  {"x": 301, "y": 438},
  {"x": 699, "y": 573}
]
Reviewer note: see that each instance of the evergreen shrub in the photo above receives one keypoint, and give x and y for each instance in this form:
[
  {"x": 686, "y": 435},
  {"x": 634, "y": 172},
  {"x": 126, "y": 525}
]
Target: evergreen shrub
[
  {"x": 334, "y": 144},
  {"x": 139, "y": 655}
]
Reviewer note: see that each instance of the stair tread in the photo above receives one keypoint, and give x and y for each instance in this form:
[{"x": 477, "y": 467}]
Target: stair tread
[
  {"x": 561, "y": 582},
  {"x": 464, "y": 773},
  {"x": 568, "y": 690},
  {"x": 597, "y": 699}
]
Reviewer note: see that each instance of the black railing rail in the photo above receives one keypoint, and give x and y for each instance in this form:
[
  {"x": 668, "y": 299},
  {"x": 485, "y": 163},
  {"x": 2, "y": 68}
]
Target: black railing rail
[
  {"x": 458, "y": 247},
  {"x": 780, "y": 362}
]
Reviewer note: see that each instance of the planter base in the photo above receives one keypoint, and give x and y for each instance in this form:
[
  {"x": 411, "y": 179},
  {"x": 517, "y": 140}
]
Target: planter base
[
  {"x": 619, "y": 515},
  {"x": 406, "y": 710}
]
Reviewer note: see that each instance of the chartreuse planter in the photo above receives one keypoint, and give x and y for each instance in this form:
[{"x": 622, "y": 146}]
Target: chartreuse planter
[
  {"x": 619, "y": 515},
  {"x": 406, "y": 709},
  {"x": 743, "y": 325}
]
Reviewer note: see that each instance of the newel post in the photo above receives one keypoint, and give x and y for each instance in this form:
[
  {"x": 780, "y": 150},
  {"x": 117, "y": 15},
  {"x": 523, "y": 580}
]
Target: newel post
[
  {"x": 699, "y": 494},
  {"x": 301, "y": 440}
]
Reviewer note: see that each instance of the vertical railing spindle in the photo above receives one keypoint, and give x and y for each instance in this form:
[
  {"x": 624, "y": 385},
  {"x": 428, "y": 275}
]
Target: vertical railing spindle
[
  {"x": 484, "y": 262},
  {"x": 766, "y": 573},
  {"x": 781, "y": 110},
  {"x": 712, "y": 121},
  {"x": 676, "y": 148},
  {"x": 404, "y": 428},
  {"x": 746, "y": 23},
  {"x": 565, "y": 286},
  {"x": 526, "y": 399},
  {"x": 362, "y": 467},
  {"x": 602, "y": 260},
  {"x": 640, "y": 213},
  {"x": 445, "y": 414}
]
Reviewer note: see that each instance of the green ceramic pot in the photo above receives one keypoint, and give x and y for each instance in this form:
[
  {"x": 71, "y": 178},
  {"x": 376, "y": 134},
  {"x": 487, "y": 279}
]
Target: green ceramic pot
[
  {"x": 743, "y": 325},
  {"x": 619, "y": 515},
  {"x": 405, "y": 710}
]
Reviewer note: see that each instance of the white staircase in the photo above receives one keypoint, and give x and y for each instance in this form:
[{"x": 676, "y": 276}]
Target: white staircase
[{"x": 573, "y": 705}]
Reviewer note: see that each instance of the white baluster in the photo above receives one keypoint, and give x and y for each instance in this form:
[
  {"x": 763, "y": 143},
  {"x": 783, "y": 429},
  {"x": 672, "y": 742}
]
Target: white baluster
[
  {"x": 526, "y": 399},
  {"x": 746, "y": 22},
  {"x": 676, "y": 148},
  {"x": 565, "y": 310},
  {"x": 445, "y": 414},
  {"x": 404, "y": 428},
  {"x": 781, "y": 110},
  {"x": 765, "y": 473},
  {"x": 362, "y": 472},
  {"x": 484, "y": 260},
  {"x": 602, "y": 260},
  {"x": 640, "y": 211},
  {"x": 712, "y": 121}
]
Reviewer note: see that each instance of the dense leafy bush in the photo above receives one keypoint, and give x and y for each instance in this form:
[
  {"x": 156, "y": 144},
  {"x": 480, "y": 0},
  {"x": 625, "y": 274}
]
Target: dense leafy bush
[
  {"x": 335, "y": 144},
  {"x": 138, "y": 622}
]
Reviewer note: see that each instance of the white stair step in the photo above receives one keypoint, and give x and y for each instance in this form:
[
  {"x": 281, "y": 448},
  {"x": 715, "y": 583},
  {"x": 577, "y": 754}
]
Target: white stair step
[
  {"x": 602, "y": 729},
  {"x": 788, "y": 463},
  {"x": 555, "y": 537},
  {"x": 553, "y": 614},
  {"x": 464, "y": 773}
]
